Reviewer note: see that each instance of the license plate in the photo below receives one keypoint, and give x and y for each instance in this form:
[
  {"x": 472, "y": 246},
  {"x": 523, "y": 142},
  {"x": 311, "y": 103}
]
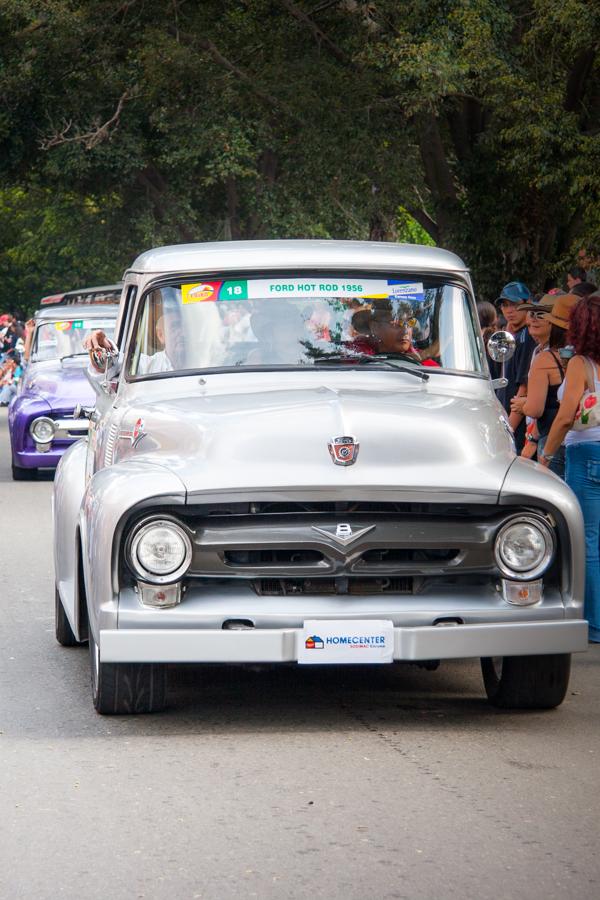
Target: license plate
[{"x": 346, "y": 641}]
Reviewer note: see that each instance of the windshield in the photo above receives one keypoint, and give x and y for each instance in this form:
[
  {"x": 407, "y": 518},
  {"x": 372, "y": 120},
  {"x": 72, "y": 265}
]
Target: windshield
[
  {"x": 55, "y": 340},
  {"x": 307, "y": 321}
]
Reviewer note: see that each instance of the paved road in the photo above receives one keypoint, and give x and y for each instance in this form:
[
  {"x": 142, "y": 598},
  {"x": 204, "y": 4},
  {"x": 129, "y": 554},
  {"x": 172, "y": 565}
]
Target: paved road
[{"x": 278, "y": 784}]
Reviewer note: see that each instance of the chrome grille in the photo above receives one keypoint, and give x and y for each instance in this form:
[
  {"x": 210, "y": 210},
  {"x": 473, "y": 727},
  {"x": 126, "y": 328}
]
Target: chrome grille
[{"x": 306, "y": 546}]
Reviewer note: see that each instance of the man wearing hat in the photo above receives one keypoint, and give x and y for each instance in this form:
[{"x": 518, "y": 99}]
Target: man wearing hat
[{"x": 511, "y": 301}]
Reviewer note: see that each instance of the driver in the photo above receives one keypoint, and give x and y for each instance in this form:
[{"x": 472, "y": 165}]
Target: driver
[
  {"x": 169, "y": 336},
  {"x": 394, "y": 331},
  {"x": 381, "y": 329}
]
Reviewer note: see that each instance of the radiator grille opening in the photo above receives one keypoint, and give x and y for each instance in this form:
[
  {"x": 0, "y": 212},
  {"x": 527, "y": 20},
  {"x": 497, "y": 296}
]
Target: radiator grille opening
[
  {"x": 273, "y": 556},
  {"x": 387, "y": 555},
  {"x": 336, "y": 507},
  {"x": 281, "y": 587}
]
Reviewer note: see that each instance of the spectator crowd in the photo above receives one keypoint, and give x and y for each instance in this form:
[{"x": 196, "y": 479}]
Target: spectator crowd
[
  {"x": 12, "y": 346},
  {"x": 552, "y": 392}
]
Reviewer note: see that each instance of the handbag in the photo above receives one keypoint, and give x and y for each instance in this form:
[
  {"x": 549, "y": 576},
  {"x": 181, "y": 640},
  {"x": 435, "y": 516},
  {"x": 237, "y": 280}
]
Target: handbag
[{"x": 588, "y": 411}]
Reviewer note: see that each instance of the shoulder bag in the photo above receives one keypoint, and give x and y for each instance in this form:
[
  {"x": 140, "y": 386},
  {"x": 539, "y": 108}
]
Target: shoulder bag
[{"x": 588, "y": 411}]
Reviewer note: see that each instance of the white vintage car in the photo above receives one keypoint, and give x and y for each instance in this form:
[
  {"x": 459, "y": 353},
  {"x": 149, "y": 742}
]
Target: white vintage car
[{"x": 297, "y": 456}]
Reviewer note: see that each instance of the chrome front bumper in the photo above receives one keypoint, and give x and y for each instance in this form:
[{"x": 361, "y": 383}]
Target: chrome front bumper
[{"x": 280, "y": 645}]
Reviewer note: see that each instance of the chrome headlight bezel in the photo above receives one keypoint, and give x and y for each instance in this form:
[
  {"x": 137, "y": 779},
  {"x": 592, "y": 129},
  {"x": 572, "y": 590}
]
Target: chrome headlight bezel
[
  {"x": 47, "y": 421},
  {"x": 542, "y": 565},
  {"x": 139, "y": 531}
]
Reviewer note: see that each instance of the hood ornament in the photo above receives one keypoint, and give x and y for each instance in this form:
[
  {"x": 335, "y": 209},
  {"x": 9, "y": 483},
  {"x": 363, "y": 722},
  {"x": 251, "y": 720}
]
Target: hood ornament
[
  {"x": 343, "y": 450},
  {"x": 343, "y": 533}
]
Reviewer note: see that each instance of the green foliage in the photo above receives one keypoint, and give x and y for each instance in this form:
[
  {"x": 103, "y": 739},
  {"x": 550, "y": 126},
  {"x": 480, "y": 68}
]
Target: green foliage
[{"x": 470, "y": 123}]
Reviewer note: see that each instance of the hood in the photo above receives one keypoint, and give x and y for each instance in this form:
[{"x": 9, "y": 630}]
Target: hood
[
  {"x": 63, "y": 384},
  {"x": 422, "y": 440}
]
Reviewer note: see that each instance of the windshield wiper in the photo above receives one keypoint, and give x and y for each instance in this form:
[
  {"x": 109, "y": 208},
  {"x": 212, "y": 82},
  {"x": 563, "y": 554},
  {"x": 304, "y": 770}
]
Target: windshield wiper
[
  {"x": 71, "y": 355},
  {"x": 372, "y": 360}
]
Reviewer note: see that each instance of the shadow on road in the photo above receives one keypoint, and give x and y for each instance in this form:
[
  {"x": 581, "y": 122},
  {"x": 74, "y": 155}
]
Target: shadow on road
[{"x": 243, "y": 700}]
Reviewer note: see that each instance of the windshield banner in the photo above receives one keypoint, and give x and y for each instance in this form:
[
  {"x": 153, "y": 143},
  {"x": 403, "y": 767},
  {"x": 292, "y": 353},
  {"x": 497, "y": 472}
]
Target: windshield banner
[
  {"x": 79, "y": 324},
  {"x": 303, "y": 288}
]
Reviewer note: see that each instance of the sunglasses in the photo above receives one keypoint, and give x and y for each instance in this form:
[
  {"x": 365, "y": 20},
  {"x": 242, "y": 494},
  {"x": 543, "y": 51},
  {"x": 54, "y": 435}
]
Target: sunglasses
[{"x": 536, "y": 314}]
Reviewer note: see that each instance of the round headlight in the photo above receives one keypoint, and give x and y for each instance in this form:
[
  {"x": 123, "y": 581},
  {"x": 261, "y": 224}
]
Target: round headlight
[
  {"x": 160, "y": 551},
  {"x": 524, "y": 548},
  {"x": 42, "y": 430}
]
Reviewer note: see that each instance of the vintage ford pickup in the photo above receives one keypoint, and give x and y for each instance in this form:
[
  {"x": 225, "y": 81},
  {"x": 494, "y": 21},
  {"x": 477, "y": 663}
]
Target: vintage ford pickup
[{"x": 296, "y": 456}]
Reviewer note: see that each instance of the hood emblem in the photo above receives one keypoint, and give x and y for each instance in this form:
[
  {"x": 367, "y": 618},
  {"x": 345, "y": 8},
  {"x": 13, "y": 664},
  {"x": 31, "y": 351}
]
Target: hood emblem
[
  {"x": 343, "y": 533},
  {"x": 136, "y": 434},
  {"x": 343, "y": 450}
]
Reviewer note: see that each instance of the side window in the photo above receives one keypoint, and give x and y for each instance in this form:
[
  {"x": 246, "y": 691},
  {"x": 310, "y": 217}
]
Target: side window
[
  {"x": 125, "y": 314},
  {"x": 152, "y": 344}
]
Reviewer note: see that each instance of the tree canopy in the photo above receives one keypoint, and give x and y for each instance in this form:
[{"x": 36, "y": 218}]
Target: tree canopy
[{"x": 474, "y": 124}]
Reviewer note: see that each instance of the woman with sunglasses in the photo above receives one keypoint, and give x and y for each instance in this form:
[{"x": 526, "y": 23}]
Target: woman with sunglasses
[{"x": 547, "y": 323}]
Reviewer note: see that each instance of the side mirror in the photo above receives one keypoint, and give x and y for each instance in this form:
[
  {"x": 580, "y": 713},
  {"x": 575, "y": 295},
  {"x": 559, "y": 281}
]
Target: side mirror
[
  {"x": 112, "y": 365},
  {"x": 501, "y": 346}
]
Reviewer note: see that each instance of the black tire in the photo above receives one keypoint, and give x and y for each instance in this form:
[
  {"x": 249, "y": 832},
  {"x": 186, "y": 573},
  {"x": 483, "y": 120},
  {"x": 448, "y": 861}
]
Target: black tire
[
  {"x": 20, "y": 474},
  {"x": 62, "y": 626},
  {"x": 526, "y": 682},
  {"x": 126, "y": 688}
]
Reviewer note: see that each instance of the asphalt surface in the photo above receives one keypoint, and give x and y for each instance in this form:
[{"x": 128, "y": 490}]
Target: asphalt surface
[{"x": 397, "y": 783}]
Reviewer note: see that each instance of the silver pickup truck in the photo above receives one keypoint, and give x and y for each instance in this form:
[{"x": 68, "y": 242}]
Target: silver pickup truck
[{"x": 297, "y": 456}]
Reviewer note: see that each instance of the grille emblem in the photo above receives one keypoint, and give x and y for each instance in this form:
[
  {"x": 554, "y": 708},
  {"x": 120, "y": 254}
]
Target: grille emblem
[
  {"x": 343, "y": 450},
  {"x": 343, "y": 533}
]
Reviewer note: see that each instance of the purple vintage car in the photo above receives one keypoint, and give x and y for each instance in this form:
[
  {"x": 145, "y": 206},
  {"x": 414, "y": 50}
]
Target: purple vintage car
[{"x": 40, "y": 417}]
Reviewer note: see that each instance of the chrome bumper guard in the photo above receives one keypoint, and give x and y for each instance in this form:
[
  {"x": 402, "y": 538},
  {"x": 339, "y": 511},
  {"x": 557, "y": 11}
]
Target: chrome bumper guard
[
  {"x": 279, "y": 645},
  {"x": 70, "y": 428}
]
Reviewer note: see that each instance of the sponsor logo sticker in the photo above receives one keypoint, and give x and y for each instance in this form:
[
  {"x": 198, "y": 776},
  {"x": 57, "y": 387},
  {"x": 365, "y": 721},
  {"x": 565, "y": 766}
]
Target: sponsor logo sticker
[
  {"x": 204, "y": 292},
  {"x": 346, "y": 641},
  {"x": 314, "y": 642}
]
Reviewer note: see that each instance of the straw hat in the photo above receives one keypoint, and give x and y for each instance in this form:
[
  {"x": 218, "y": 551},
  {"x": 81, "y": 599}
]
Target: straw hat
[
  {"x": 544, "y": 304},
  {"x": 561, "y": 311}
]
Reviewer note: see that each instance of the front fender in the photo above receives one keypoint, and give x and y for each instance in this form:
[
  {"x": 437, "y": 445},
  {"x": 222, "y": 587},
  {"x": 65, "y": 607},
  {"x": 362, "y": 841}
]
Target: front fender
[
  {"x": 69, "y": 487},
  {"x": 109, "y": 497},
  {"x": 530, "y": 484},
  {"x": 23, "y": 409}
]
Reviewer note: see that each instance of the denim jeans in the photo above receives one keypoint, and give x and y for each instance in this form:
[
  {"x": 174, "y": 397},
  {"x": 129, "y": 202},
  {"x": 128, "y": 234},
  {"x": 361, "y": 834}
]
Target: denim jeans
[
  {"x": 583, "y": 477},
  {"x": 7, "y": 392}
]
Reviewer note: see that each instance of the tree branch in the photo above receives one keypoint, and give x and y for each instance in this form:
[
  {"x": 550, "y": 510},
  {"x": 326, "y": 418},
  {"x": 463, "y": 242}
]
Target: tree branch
[
  {"x": 206, "y": 44},
  {"x": 320, "y": 35},
  {"x": 424, "y": 220},
  {"x": 89, "y": 139}
]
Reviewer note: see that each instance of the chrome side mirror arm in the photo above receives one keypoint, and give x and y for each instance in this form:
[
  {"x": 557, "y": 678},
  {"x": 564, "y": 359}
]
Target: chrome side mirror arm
[{"x": 501, "y": 347}]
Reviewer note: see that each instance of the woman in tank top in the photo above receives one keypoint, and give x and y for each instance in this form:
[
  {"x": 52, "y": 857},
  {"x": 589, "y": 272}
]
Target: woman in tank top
[
  {"x": 548, "y": 327},
  {"x": 583, "y": 447},
  {"x": 546, "y": 373}
]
